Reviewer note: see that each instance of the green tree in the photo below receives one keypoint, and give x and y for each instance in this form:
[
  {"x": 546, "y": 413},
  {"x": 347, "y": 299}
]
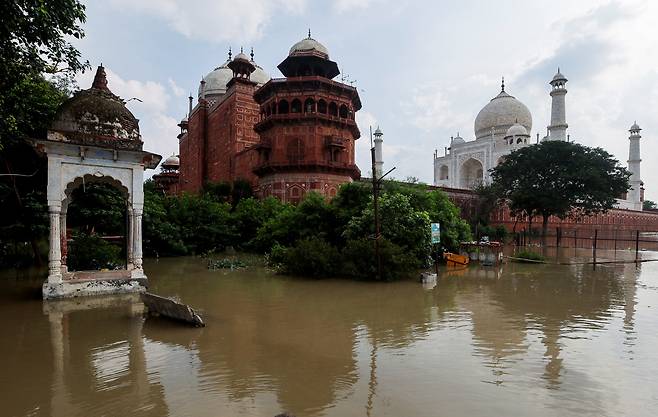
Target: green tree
[
  {"x": 34, "y": 40},
  {"x": 560, "y": 179},
  {"x": 649, "y": 205}
]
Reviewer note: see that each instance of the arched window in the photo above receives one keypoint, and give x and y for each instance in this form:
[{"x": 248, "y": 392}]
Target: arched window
[
  {"x": 296, "y": 106},
  {"x": 519, "y": 140},
  {"x": 283, "y": 107},
  {"x": 309, "y": 105},
  {"x": 333, "y": 109},
  {"x": 322, "y": 106},
  {"x": 295, "y": 150},
  {"x": 343, "y": 111},
  {"x": 443, "y": 172}
]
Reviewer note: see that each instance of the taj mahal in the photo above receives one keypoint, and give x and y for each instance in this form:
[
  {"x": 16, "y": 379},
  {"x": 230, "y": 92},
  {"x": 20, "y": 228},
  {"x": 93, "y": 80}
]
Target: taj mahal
[{"x": 503, "y": 126}]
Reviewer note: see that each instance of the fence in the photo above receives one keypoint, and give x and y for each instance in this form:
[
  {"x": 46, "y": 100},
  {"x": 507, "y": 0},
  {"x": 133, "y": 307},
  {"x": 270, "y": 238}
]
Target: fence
[{"x": 634, "y": 240}]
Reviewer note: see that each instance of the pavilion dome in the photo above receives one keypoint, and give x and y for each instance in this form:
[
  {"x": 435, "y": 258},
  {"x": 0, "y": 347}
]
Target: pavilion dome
[
  {"x": 308, "y": 45},
  {"x": 97, "y": 117},
  {"x": 173, "y": 162},
  {"x": 516, "y": 129},
  {"x": 457, "y": 140},
  {"x": 500, "y": 114}
]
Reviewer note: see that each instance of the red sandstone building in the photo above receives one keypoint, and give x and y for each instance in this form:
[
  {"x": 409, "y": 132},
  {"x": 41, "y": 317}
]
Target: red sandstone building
[{"x": 286, "y": 136}]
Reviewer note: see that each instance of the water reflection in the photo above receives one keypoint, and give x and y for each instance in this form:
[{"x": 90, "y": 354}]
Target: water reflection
[{"x": 329, "y": 347}]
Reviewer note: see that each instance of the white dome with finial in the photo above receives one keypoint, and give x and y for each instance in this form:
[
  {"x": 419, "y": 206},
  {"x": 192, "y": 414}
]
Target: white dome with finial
[
  {"x": 308, "y": 45},
  {"x": 458, "y": 139},
  {"x": 500, "y": 114},
  {"x": 516, "y": 130}
]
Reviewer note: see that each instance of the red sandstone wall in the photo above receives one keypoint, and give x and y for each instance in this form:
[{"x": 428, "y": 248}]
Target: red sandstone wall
[{"x": 191, "y": 152}]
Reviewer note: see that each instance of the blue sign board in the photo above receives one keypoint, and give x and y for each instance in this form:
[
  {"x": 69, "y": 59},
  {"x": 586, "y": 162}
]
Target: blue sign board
[{"x": 436, "y": 233}]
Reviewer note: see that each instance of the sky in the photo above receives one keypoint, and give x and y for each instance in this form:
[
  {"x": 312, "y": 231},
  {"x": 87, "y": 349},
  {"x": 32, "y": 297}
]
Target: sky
[{"x": 423, "y": 69}]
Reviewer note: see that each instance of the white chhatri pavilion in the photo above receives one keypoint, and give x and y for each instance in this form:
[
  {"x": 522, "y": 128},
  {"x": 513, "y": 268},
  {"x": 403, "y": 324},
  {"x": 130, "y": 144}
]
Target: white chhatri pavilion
[{"x": 94, "y": 138}]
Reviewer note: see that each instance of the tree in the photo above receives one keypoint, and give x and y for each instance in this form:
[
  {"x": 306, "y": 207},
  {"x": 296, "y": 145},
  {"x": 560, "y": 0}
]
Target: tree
[
  {"x": 649, "y": 205},
  {"x": 560, "y": 179},
  {"x": 34, "y": 41}
]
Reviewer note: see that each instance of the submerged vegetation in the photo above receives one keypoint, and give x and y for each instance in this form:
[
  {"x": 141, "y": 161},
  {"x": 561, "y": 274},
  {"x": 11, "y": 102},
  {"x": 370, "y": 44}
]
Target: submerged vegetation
[
  {"x": 317, "y": 238},
  {"x": 526, "y": 255}
]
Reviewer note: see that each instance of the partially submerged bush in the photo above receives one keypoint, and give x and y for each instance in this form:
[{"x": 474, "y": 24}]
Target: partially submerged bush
[
  {"x": 360, "y": 262},
  {"x": 312, "y": 257},
  {"x": 90, "y": 252},
  {"x": 528, "y": 255}
]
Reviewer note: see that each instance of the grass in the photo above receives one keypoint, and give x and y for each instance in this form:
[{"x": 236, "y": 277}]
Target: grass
[{"x": 529, "y": 256}]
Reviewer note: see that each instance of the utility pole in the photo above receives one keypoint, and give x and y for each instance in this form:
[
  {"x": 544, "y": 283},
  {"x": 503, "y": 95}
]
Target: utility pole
[{"x": 376, "y": 184}]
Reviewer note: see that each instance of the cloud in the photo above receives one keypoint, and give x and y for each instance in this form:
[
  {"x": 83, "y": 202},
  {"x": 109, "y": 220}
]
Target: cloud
[
  {"x": 342, "y": 6},
  {"x": 178, "y": 91},
  {"x": 214, "y": 21}
]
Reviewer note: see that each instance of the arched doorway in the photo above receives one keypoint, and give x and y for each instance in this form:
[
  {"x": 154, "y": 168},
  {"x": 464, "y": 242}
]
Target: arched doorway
[
  {"x": 94, "y": 225},
  {"x": 471, "y": 174}
]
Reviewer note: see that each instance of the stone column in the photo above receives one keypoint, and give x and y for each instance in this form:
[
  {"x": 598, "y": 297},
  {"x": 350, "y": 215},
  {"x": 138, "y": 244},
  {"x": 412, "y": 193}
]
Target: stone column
[
  {"x": 55, "y": 255},
  {"x": 129, "y": 242},
  {"x": 63, "y": 241},
  {"x": 137, "y": 237}
]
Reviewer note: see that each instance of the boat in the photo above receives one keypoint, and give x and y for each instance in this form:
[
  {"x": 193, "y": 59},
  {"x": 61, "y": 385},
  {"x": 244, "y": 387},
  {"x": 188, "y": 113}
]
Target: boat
[{"x": 453, "y": 259}]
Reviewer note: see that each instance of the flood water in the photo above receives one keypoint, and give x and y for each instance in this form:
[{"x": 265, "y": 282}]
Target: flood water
[{"x": 518, "y": 340}]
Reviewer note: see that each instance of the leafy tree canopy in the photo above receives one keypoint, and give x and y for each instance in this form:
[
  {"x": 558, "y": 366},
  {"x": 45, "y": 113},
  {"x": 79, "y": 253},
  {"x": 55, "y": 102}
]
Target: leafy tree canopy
[
  {"x": 560, "y": 179},
  {"x": 649, "y": 205},
  {"x": 34, "y": 40}
]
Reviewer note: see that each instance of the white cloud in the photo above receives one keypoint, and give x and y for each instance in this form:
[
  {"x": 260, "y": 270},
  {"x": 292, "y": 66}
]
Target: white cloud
[
  {"x": 342, "y": 6},
  {"x": 178, "y": 91},
  {"x": 214, "y": 20}
]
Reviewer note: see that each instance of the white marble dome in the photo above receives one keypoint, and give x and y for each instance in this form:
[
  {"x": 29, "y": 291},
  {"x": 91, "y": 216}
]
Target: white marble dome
[
  {"x": 217, "y": 79},
  {"x": 308, "y": 45},
  {"x": 457, "y": 140},
  {"x": 500, "y": 113}
]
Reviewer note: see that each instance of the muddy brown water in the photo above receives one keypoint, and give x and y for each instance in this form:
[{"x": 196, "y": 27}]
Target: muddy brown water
[{"x": 515, "y": 340}]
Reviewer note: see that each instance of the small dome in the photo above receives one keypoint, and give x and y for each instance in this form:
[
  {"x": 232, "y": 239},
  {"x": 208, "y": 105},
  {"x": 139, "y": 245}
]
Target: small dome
[
  {"x": 309, "y": 45},
  {"x": 635, "y": 127},
  {"x": 499, "y": 114},
  {"x": 559, "y": 77},
  {"x": 97, "y": 117},
  {"x": 378, "y": 132},
  {"x": 242, "y": 56},
  {"x": 173, "y": 162},
  {"x": 458, "y": 139},
  {"x": 516, "y": 130}
]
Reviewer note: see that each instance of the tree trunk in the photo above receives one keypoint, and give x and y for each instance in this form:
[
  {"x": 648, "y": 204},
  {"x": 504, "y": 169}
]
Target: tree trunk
[{"x": 544, "y": 228}]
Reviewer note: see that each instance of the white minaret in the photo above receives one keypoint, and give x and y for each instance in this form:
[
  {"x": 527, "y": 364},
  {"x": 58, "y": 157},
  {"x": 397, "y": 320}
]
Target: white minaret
[
  {"x": 558, "y": 128},
  {"x": 634, "y": 194},
  {"x": 379, "y": 160}
]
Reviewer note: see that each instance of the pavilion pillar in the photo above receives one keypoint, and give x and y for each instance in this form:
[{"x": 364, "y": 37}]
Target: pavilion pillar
[
  {"x": 63, "y": 241},
  {"x": 55, "y": 254},
  {"x": 129, "y": 242},
  {"x": 137, "y": 237}
]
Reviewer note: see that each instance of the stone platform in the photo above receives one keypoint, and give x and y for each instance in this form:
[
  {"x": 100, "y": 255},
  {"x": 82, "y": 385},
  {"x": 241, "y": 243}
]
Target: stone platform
[{"x": 86, "y": 283}]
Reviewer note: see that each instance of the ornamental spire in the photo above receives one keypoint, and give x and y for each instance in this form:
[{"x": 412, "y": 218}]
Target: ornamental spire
[
  {"x": 230, "y": 54},
  {"x": 309, "y": 33},
  {"x": 502, "y": 85},
  {"x": 252, "y": 54},
  {"x": 100, "y": 79}
]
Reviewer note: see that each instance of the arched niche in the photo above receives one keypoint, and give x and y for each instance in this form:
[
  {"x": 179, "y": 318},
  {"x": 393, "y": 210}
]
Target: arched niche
[{"x": 471, "y": 173}]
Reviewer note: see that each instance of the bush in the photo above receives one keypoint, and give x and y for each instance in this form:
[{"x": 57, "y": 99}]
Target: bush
[
  {"x": 309, "y": 257},
  {"x": 528, "y": 255},
  {"x": 90, "y": 252},
  {"x": 359, "y": 260}
]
